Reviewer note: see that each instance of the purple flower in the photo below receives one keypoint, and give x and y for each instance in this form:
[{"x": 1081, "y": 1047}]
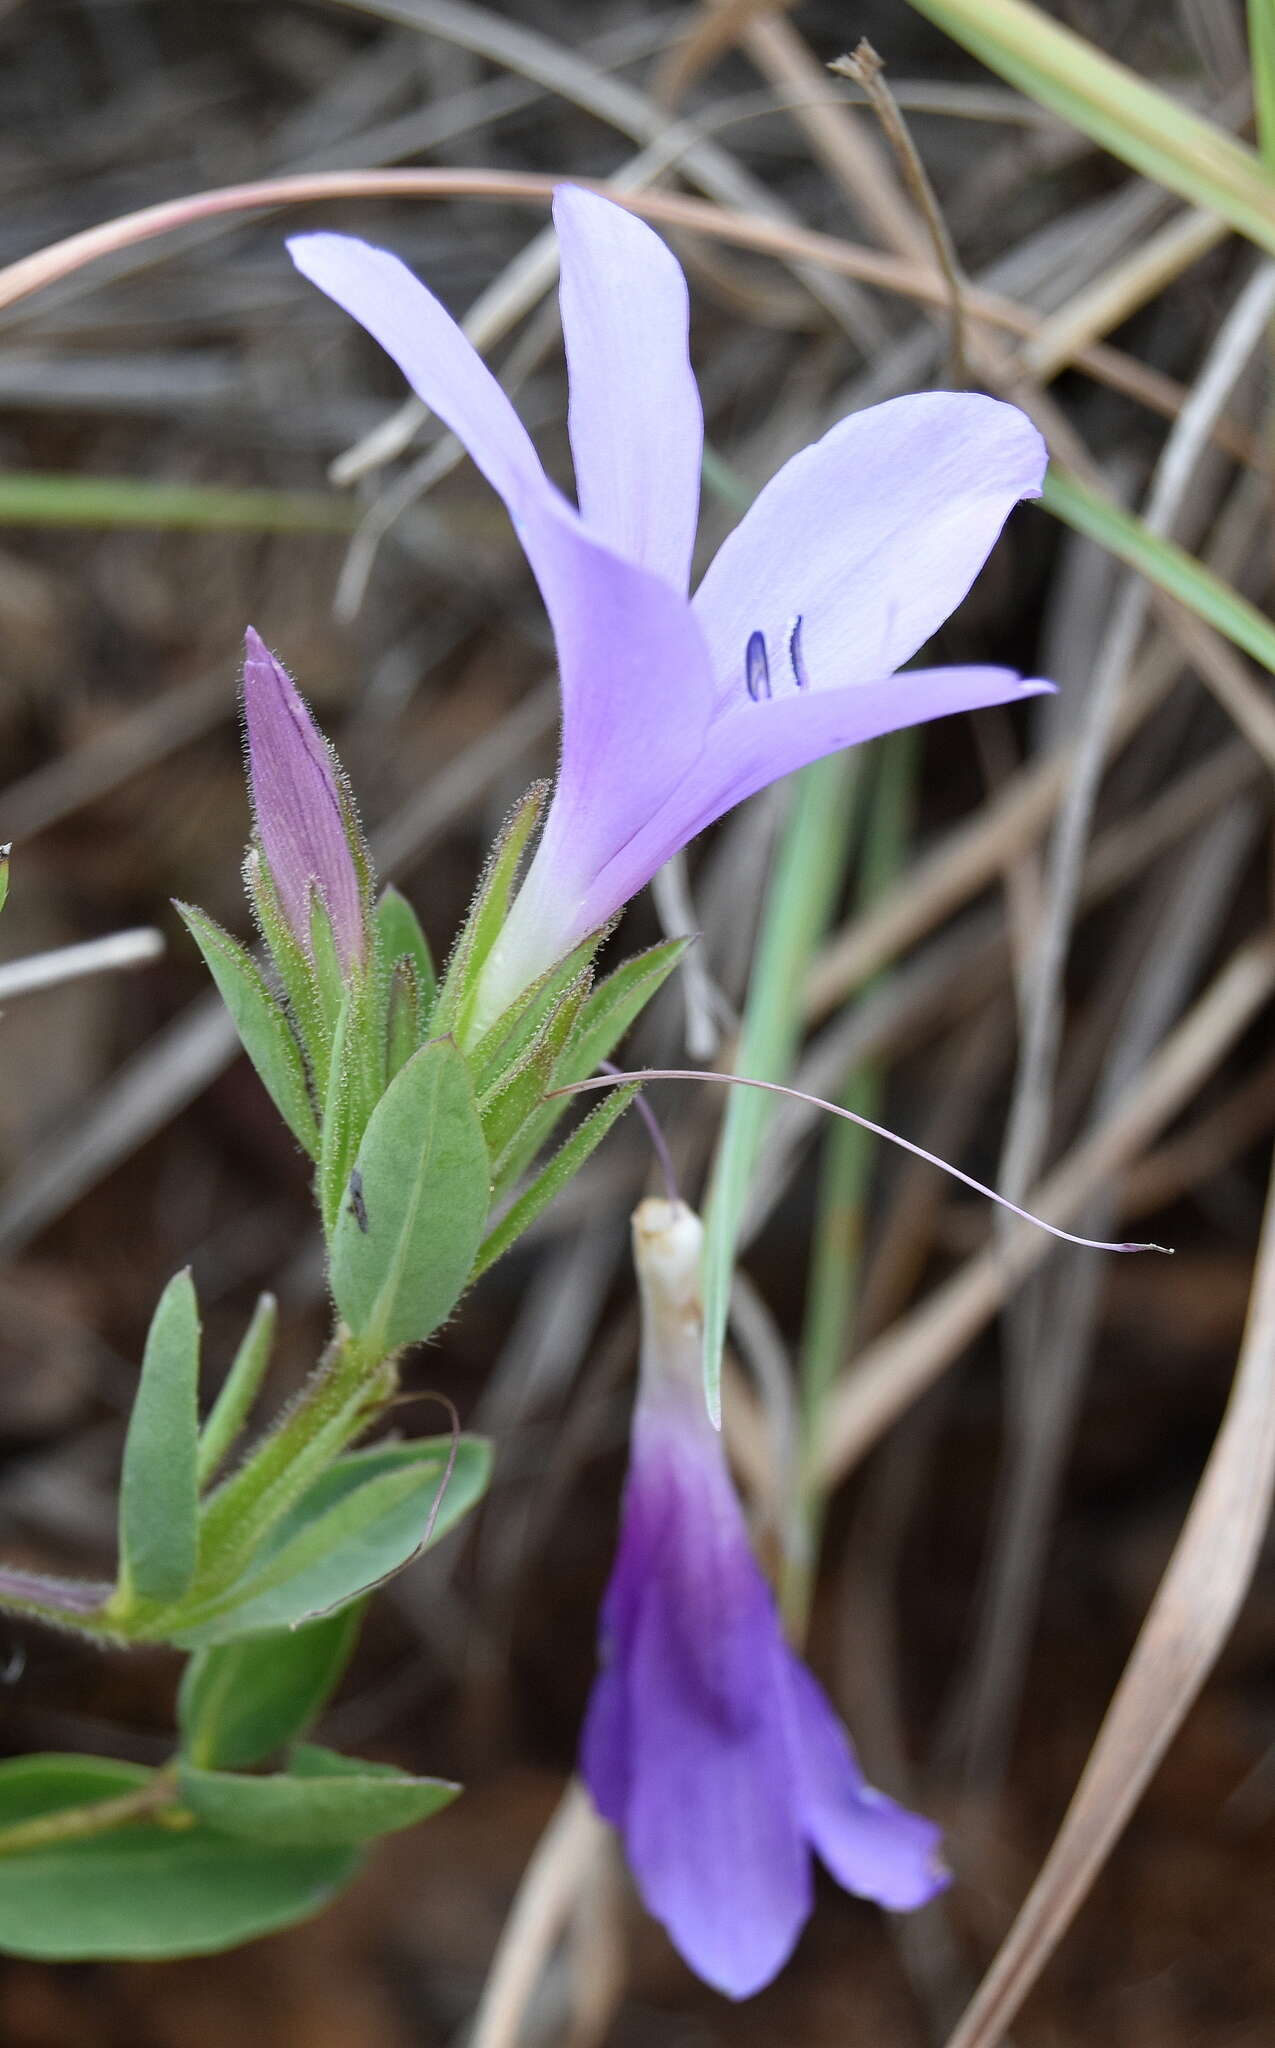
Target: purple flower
[
  {"x": 673, "y": 710},
  {"x": 303, "y": 821},
  {"x": 708, "y": 1743}
]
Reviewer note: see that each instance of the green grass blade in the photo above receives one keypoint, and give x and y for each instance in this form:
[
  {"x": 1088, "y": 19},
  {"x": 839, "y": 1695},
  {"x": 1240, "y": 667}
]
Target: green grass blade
[
  {"x": 1145, "y": 127},
  {"x": 1261, "y": 46},
  {"x": 1162, "y": 562},
  {"x": 803, "y": 888},
  {"x": 35, "y": 498}
]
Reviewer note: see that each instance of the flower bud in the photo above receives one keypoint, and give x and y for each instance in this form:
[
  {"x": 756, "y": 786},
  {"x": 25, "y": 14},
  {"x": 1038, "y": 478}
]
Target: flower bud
[{"x": 308, "y": 834}]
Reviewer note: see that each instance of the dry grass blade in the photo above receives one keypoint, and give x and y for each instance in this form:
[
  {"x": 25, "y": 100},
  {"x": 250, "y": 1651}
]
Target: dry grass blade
[{"x": 1190, "y": 1619}]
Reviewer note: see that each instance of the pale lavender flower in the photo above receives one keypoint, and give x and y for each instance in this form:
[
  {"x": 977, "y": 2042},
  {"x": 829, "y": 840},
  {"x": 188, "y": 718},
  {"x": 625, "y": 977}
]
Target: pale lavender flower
[
  {"x": 708, "y": 1743},
  {"x": 302, "y": 822},
  {"x": 674, "y": 710}
]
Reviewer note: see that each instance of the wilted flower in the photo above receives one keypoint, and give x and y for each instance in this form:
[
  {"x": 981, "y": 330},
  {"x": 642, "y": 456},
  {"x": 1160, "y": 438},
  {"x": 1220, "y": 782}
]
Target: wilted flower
[
  {"x": 303, "y": 822},
  {"x": 708, "y": 1743},
  {"x": 674, "y": 711}
]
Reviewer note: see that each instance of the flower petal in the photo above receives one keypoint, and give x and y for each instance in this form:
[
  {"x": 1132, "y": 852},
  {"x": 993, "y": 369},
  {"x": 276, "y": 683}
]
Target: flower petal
[
  {"x": 637, "y": 429},
  {"x": 866, "y": 541},
  {"x": 752, "y": 744},
  {"x": 636, "y": 683},
  {"x": 710, "y": 1821},
  {"x": 873, "y": 1847},
  {"x": 437, "y": 358}
]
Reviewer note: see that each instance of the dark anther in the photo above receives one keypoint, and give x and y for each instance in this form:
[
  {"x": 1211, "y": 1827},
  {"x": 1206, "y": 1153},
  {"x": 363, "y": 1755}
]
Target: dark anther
[
  {"x": 795, "y": 655},
  {"x": 757, "y": 667}
]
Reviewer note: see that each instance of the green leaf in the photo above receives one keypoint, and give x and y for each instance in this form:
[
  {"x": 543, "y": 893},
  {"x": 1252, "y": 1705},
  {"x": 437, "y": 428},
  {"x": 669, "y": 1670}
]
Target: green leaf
[
  {"x": 509, "y": 1111},
  {"x": 553, "y": 1177},
  {"x": 398, "y": 936},
  {"x": 363, "y": 1520},
  {"x": 240, "y": 1702},
  {"x": 264, "y": 1031},
  {"x": 404, "y": 1014},
  {"x": 505, "y": 1046},
  {"x": 614, "y": 1005},
  {"x": 4, "y": 875},
  {"x": 355, "y": 1079},
  {"x": 402, "y": 1255},
  {"x": 1145, "y": 127},
  {"x": 1162, "y": 562},
  {"x": 159, "y": 1493},
  {"x": 146, "y": 1890},
  {"x": 323, "y": 1800},
  {"x": 294, "y": 969},
  {"x": 239, "y": 1389},
  {"x": 487, "y": 914}
]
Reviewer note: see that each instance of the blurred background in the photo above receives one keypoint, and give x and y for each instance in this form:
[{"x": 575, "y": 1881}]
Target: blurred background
[{"x": 168, "y": 421}]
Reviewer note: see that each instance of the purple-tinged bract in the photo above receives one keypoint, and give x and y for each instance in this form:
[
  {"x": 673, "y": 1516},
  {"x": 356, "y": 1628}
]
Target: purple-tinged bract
[
  {"x": 708, "y": 1743},
  {"x": 302, "y": 821},
  {"x": 676, "y": 708}
]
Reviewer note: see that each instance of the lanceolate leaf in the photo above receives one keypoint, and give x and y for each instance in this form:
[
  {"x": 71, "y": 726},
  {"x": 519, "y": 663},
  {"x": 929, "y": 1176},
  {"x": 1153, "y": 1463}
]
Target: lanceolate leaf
[
  {"x": 239, "y": 1390},
  {"x": 159, "y": 1494},
  {"x": 264, "y": 1031},
  {"x": 552, "y": 1177},
  {"x": 402, "y": 1253},
  {"x": 367, "y": 1516},
  {"x": 354, "y": 1082},
  {"x": 614, "y": 1005},
  {"x": 242, "y": 1701},
  {"x": 322, "y": 1800},
  {"x": 143, "y": 1891},
  {"x": 398, "y": 936}
]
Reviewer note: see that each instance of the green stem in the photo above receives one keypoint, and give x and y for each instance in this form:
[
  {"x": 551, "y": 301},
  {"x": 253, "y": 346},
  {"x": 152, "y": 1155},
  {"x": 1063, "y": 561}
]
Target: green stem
[{"x": 80, "y": 1823}]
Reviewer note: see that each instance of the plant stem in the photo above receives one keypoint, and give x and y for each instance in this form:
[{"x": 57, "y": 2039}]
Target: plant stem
[{"x": 79, "y": 1823}]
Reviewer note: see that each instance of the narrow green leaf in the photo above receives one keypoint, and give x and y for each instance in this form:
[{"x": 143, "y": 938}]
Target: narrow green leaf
[
  {"x": 362, "y": 1521},
  {"x": 355, "y": 1079},
  {"x": 325, "y": 1805},
  {"x": 159, "y": 1492},
  {"x": 553, "y": 1177},
  {"x": 799, "y": 901},
  {"x": 509, "y": 1111},
  {"x": 487, "y": 914},
  {"x": 264, "y": 1031},
  {"x": 239, "y": 1389},
  {"x": 1137, "y": 122},
  {"x": 4, "y": 875},
  {"x": 402, "y": 1254},
  {"x": 398, "y": 936},
  {"x": 404, "y": 1018},
  {"x": 614, "y": 1005},
  {"x": 1162, "y": 562},
  {"x": 506, "y": 1045},
  {"x": 294, "y": 968},
  {"x": 144, "y": 1891},
  {"x": 242, "y": 1701}
]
